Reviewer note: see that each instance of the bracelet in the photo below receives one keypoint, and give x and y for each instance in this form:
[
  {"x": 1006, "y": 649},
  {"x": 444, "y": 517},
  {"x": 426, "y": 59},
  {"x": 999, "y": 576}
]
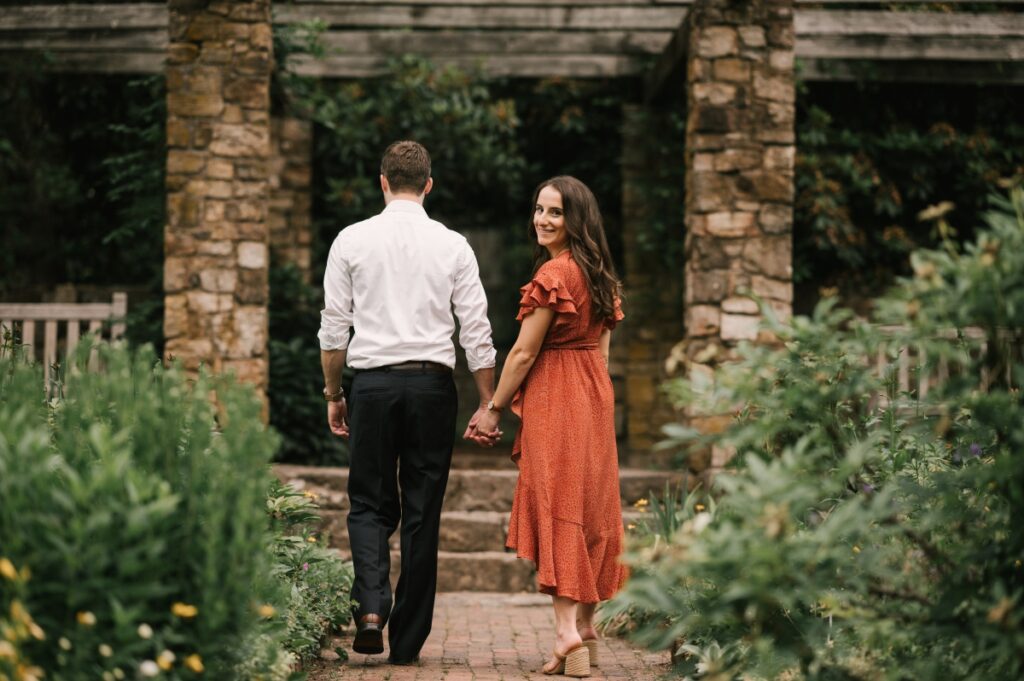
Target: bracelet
[{"x": 334, "y": 397}]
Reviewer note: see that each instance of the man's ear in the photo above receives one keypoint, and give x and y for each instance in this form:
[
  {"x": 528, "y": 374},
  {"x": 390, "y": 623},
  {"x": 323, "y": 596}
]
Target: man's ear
[
  {"x": 384, "y": 186},
  {"x": 428, "y": 186}
]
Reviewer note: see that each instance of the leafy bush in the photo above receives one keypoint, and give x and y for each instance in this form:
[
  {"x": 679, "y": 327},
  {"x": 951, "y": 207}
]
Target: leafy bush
[
  {"x": 137, "y": 503},
  {"x": 319, "y": 582},
  {"x": 863, "y": 531}
]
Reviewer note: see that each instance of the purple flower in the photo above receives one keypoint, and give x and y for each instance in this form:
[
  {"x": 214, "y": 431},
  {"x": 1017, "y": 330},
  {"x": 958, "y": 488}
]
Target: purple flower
[
  {"x": 305, "y": 566},
  {"x": 976, "y": 450},
  {"x": 868, "y": 488}
]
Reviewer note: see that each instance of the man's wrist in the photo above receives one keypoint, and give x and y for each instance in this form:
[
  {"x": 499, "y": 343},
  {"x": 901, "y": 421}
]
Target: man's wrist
[{"x": 334, "y": 396}]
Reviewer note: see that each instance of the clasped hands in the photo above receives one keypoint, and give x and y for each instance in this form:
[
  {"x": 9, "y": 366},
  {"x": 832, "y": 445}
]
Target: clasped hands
[{"x": 483, "y": 428}]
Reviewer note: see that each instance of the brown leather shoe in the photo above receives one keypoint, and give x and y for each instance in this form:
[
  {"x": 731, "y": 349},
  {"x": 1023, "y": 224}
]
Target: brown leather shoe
[{"x": 369, "y": 640}]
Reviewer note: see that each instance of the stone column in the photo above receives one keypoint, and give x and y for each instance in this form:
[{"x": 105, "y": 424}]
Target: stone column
[
  {"x": 218, "y": 138},
  {"x": 740, "y": 151},
  {"x": 291, "y": 198},
  {"x": 652, "y": 193}
]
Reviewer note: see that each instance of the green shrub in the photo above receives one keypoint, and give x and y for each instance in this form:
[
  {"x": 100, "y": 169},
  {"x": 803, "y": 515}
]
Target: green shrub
[
  {"x": 862, "y": 531},
  {"x": 137, "y": 503}
]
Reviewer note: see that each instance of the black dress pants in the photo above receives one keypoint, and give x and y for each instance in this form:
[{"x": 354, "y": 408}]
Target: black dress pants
[{"x": 402, "y": 433}]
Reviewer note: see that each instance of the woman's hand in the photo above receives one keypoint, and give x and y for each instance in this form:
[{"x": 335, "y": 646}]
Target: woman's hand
[
  {"x": 486, "y": 431},
  {"x": 482, "y": 438}
]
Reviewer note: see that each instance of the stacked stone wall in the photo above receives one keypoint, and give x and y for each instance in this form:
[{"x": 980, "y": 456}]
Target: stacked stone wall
[
  {"x": 739, "y": 188},
  {"x": 218, "y": 137}
]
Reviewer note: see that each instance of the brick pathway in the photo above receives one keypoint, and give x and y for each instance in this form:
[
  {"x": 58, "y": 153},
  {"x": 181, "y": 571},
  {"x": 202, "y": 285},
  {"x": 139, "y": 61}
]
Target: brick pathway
[{"x": 490, "y": 637}]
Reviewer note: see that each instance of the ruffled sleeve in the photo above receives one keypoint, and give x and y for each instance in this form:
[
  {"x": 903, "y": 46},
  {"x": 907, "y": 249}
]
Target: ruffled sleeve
[
  {"x": 616, "y": 317},
  {"x": 546, "y": 289}
]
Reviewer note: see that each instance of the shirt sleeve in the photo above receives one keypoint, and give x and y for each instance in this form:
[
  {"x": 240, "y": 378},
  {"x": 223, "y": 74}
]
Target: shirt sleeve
[
  {"x": 336, "y": 317},
  {"x": 471, "y": 308}
]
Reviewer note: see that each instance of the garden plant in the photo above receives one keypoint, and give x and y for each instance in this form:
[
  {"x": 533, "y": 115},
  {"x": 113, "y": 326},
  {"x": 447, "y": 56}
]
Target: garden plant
[{"x": 861, "y": 531}]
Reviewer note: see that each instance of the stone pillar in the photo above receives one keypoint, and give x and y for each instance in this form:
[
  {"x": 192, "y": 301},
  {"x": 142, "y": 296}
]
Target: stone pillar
[
  {"x": 652, "y": 194},
  {"x": 291, "y": 198},
  {"x": 218, "y": 138},
  {"x": 740, "y": 150}
]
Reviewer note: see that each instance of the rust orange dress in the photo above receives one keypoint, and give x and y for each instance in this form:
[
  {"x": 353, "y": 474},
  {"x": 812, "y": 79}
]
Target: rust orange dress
[{"x": 566, "y": 513}]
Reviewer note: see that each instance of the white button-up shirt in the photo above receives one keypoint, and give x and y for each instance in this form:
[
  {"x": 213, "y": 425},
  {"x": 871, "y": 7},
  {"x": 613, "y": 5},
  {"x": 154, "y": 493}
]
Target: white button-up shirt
[{"x": 395, "y": 278}]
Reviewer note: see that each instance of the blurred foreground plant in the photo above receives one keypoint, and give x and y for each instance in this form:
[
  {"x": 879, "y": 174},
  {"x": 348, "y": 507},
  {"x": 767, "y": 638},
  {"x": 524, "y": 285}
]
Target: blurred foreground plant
[{"x": 863, "y": 531}]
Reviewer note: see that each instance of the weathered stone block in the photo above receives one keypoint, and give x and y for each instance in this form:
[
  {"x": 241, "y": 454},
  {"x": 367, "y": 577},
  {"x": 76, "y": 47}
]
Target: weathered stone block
[
  {"x": 176, "y": 321},
  {"x": 752, "y": 36},
  {"x": 240, "y": 140},
  {"x": 739, "y": 327},
  {"x": 215, "y": 53},
  {"x": 247, "y": 211},
  {"x": 702, "y": 320},
  {"x": 781, "y": 35},
  {"x": 779, "y": 157},
  {"x": 710, "y": 119},
  {"x": 183, "y": 210},
  {"x": 249, "y": 330},
  {"x": 176, "y": 273},
  {"x": 708, "y": 192},
  {"x": 740, "y": 305},
  {"x": 252, "y": 287},
  {"x": 187, "y": 105},
  {"x": 762, "y": 186},
  {"x": 781, "y": 60},
  {"x": 249, "y": 190},
  {"x": 177, "y": 133},
  {"x": 232, "y": 114},
  {"x": 214, "y": 189},
  {"x": 707, "y": 253},
  {"x": 772, "y": 289},
  {"x": 703, "y": 162},
  {"x": 700, "y": 142},
  {"x": 207, "y": 302},
  {"x": 252, "y": 254},
  {"x": 204, "y": 27},
  {"x": 251, "y": 371},
  {"x": 248, "y": 92},
  {"x": 732, "y": 69},
  {"x": 775, "y": 88},
  {"x": 716, "y": 94},
  {"x": 216, "y": 248},
  {"x": 717, "y": 41},
  {"x": 218, "y": 280},
  {"x": 706, "y": 286},
  {"x": 220, "y": 169},
  {"x": 728, "y": 224},
  {"x": 187, "y": 162},
  {"x": 771, "y": 256},
  {"x": 181, "y": 53},
  {"x": 776, "y": 218},
  {"x": 737, "y": 159}
]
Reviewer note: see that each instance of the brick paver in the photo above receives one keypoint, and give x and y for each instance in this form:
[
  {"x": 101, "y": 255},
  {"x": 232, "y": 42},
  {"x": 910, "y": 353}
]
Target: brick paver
[{"x": 490, "y": 637}]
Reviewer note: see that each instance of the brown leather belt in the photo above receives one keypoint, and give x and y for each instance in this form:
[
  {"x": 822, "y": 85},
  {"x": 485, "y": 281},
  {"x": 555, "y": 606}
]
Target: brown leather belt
[{"x": 412, "y": 366}]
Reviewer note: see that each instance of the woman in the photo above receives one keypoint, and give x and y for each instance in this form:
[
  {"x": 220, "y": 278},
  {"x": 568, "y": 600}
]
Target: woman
[{"x": 566, "y": 514}]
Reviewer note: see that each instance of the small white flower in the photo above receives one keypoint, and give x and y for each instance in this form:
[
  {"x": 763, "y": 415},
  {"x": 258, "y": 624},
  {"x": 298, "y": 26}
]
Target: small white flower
[
  {"x": 118, "y": 674},
  {"x": 64, "y": 643},
  {"x": 107, "y": 676},
  {"x": 149, "y": 668},
  {"x": 700, "y": 521},
  {"x": 145, "y": 631},
  {"x": 105, "y": 650}
]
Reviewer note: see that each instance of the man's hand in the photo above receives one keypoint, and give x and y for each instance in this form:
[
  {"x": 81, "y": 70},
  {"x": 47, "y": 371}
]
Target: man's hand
[
  {"x": 484, "y": 438},
  {"x": 337, "y": 417}
]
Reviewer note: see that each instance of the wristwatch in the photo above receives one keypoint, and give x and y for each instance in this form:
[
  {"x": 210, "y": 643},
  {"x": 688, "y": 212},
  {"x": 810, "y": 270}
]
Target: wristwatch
[
  {"x": 334, "y": 397},
  {"x": 492, "y": 407}
]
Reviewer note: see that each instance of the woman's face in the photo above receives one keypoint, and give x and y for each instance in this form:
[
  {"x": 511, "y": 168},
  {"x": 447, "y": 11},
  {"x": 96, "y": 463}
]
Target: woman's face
[{"x": 549, "y": 221}]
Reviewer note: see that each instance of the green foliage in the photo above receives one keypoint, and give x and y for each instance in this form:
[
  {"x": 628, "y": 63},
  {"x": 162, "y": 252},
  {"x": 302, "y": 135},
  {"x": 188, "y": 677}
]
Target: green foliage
[
  {"x": 297, "y": 408},
  {"x": 863, "y": 172},
  {"x": 83, "y": 203},
  {"x": 137, "y": 504},
  {"x": 319, "y": 582},
  {"x": 863, "y": 531}
]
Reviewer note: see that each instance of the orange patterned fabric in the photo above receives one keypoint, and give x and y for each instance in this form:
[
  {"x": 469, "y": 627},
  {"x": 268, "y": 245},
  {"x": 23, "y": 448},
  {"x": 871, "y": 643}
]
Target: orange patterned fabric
[{"x": 566, "y": 514}]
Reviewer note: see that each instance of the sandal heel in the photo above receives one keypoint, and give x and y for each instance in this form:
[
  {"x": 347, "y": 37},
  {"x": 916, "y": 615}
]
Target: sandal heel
[
  {"x": 577, "y": 663},
  {"x": 591, "y": 645}
]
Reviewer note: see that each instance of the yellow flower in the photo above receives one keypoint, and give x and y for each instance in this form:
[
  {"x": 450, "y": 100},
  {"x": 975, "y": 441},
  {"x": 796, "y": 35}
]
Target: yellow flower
[
  {"x": 631, "y": 526},
  {"x": 184, "y": 610},
  {"x": 266, "y": 610},
  {"x": 64, "y": 643},
  {"x": 145, "y": 631},
  {"x": 86, "y": 619},
  {"x": 36, "y": 631},
  {"x": 640, "y": 503},
  {"x": 195, "y": 663},
  {"x": 165, "y": 660},
  {"x": 7, "y": 569},
  {"x": 699, "y": 508},
  {"x": 311, "y": 539},
  {"x": 856, "y": 549},
  {"x": 7, "y": 651}
]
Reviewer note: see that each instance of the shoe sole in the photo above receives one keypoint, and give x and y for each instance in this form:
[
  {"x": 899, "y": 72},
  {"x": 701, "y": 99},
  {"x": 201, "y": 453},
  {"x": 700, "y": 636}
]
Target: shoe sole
[{"x": 370, "y": 642}]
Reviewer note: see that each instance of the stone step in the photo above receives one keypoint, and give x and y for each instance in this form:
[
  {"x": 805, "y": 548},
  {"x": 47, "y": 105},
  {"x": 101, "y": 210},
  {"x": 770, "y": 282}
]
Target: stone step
[
  {"x": 468, "y": 490},
  {"x": 476, "y": 571}
]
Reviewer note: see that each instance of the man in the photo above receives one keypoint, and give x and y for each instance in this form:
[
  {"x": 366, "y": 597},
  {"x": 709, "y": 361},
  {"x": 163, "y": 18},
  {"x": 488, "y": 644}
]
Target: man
[{"x": 394, "y": 279}]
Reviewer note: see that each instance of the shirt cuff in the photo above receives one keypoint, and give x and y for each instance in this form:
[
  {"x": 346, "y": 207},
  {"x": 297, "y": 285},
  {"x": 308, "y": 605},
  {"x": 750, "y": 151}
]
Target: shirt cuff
[
  {"x": 333, "y": 341},
  {"x": 481, "y": 359}
]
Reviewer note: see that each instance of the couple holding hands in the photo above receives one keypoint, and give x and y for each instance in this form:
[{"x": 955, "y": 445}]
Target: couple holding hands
[{"x": 395, "y": 279}]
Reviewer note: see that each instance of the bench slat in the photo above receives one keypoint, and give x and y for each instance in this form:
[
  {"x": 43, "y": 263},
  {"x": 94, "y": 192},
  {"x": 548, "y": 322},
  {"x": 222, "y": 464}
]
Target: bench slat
[
  {"x": 60, "y": 311},
  {"x": 28, "y": 336},
  {"x": 73, "y": 331},
  {"x": 49, "y": 348}
]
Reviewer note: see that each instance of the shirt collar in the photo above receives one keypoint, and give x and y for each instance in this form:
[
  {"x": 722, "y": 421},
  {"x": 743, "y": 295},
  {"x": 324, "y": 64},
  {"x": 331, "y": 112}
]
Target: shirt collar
[{"x": 404, "y": 206}]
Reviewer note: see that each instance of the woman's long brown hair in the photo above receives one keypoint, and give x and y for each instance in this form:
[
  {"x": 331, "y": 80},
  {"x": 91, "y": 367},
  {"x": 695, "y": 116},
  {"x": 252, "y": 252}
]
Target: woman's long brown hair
[{"x": 587, "y": 242}]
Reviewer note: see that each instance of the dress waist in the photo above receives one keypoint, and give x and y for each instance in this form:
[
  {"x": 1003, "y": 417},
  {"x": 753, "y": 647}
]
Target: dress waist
[{"x": 570, "y": 346}]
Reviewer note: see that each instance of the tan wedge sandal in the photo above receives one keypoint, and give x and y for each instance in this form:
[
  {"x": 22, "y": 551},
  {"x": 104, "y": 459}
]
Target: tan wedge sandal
[
  {"x": 591, "y": 644},
  {"x": 575, "y": 663}
]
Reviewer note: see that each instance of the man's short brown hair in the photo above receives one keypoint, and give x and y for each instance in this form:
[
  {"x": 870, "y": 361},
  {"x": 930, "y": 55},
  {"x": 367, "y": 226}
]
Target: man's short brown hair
[{"x": 406, "y": 164}]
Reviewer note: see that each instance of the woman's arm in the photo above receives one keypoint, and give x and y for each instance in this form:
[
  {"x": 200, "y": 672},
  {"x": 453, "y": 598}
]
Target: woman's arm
[
  {"x": 605, "y": 344},
  {"x": 518, "y": 364}
]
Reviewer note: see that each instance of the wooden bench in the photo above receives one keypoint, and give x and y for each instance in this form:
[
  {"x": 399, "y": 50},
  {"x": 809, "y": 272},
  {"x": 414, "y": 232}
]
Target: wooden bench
[{"x": 23, "y": 318}]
